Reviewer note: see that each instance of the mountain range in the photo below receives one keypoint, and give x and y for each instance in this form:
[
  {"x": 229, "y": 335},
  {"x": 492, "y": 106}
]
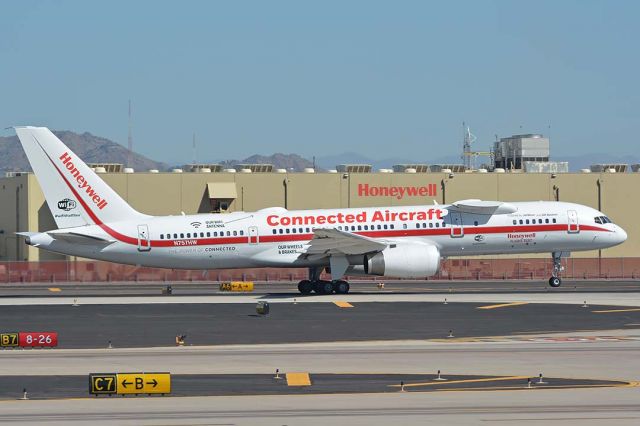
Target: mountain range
[
  {"x": 91, "y": 148},
  {"x": 95, "y": 149}
]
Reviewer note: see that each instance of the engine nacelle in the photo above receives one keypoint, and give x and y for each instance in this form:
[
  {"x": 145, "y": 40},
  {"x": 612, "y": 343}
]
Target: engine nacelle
[{"x": 404, "y": 260}]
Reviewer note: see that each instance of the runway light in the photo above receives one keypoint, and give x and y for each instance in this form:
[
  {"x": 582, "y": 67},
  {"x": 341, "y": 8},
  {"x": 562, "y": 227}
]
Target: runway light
[
  {"x": 401, "y": 386},
  {"x": 529, "y": 383},
  {"x": 450, "y": 334},
  {"x": 24, "y": 395},
  {"x": 439, "y": 377},
  {"x": 75, "y": 302},
  {"x": 445, "y": 301},
  {"x": 277, "y": 376},
  {"x": 540, "y": 381},
  {"x": 585, "y": 304},
  {"x": 109, "y": 346}
]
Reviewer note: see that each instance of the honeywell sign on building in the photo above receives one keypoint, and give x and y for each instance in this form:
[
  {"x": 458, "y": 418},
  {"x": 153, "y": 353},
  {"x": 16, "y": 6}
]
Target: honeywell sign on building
[{"x": 398, "y": 192}]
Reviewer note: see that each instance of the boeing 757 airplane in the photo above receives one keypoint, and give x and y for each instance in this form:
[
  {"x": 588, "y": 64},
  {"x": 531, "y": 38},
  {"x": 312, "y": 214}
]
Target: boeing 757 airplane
[{"x": 406, "y": 242}]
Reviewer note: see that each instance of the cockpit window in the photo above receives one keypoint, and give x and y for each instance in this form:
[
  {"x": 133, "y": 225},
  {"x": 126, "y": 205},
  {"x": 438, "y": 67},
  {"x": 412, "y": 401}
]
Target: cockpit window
[
  {"x": 602, "y": 220},
  {"x": 597, "y": 219}
]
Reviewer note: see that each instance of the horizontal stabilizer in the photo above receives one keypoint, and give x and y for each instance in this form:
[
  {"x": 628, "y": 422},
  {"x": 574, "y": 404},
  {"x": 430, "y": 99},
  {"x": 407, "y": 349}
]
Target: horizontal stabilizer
[{"x": 78, "y": 238}]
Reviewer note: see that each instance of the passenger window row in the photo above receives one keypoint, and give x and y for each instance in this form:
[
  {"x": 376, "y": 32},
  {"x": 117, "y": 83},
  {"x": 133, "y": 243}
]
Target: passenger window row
[
  {"x": 352, "y": 228},
  {"x": 533, "y": 221},
  {"x": 183, "y": 235}
]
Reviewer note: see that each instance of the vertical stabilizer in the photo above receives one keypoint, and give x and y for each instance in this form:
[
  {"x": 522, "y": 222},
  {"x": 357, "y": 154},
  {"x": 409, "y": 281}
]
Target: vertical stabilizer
[{"x": 76, "y": 195}]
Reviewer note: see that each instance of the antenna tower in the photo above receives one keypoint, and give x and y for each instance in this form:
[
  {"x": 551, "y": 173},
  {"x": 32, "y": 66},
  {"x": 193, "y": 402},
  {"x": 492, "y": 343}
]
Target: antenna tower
[
  {"x": 194, "y": 148},
  {"x": 129, "y": 140}
]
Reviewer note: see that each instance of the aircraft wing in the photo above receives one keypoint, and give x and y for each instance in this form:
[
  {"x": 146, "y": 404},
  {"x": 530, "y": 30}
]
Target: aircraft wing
[
  {"x": 333, "y": 242},
  {"x": 483, "y": 207}
]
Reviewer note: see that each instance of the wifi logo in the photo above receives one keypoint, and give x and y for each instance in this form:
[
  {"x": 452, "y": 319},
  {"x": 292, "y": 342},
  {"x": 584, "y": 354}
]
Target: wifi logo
[{"x": 196, "y": 224}]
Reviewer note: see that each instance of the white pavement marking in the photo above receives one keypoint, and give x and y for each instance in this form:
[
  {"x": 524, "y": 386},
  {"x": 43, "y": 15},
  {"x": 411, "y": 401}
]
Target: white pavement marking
[{"x": 613, "y": 299}]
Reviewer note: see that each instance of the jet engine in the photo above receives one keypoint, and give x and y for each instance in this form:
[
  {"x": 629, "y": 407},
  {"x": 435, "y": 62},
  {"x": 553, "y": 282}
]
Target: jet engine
[{"x": 404, "y": 260}]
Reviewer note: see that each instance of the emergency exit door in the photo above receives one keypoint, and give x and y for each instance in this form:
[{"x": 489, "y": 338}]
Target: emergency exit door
[
  {"x": 573, "y": 225},
  {"x": 144, "y": 241},
  {"x": 457, "y": 230},
  {"x": 253, "y": 235}
]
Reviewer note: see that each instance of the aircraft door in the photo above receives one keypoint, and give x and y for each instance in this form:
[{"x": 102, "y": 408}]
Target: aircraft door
[
  {"x": 253, "y": 235},
  {"x": 455, "y": 221},
  {"x": 144, "y": 241},
  {"x": 573, "y": 225}
]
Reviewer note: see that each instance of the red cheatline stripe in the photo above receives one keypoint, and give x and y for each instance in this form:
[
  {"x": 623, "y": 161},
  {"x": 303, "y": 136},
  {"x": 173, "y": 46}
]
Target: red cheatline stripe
[{"x": 306, "y": 237}]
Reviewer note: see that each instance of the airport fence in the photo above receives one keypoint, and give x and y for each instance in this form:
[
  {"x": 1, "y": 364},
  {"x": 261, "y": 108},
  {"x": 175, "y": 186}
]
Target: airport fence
[{"x": 451, "y": 269}]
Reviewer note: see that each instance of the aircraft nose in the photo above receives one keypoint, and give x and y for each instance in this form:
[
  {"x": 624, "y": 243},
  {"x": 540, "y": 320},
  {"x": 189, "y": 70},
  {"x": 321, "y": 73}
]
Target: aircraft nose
[{"x": 621, "y": 235}]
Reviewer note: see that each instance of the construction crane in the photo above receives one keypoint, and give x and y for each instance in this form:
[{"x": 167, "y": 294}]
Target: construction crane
[{"x": 468, "y": 156}]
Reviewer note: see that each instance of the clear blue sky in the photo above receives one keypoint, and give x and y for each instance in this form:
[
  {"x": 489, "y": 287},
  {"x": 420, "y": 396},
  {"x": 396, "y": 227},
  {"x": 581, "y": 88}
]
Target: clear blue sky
[{"x": 385, "y": 78}]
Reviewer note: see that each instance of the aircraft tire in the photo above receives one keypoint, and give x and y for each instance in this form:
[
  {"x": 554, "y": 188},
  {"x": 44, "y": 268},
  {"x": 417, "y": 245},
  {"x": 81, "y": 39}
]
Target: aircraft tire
[
  {"x": 305, "y": 286},
  {"x": 555, "y": 281},
  {"x": 323, "y": 287},
  {"x": 341, "y": 287}
]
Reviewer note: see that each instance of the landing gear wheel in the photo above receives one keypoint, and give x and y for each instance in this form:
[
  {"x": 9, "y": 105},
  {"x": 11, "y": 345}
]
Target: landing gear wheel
[
  {"x": 555, "y": 281},
  {"x": 305, "y": 286},
  {"x": 341, "y": 287},
  {"x": 323, "y": 287}
]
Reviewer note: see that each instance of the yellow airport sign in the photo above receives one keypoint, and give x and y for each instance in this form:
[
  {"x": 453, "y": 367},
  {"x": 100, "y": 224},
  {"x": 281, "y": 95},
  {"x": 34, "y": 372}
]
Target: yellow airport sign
[
  {"x": 9, "y": 340},
  {"x": 102, "y": 383},
  {"x": 129, "y": 383},
  {"x": 239, "y": 286},
  {"x": 137, "y": 383}
]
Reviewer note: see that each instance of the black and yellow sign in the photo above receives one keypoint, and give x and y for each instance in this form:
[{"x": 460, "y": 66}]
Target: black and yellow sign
[
  {"x": 9, "y": 340},
  {"x": 103, "y": 383},
  {"x": 129, "y": 383},
  {"x": 240, "y": 286},
  {"x": 134, "y": 383}
]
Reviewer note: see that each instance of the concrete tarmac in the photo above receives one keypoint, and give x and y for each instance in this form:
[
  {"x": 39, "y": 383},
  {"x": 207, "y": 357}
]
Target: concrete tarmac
[
  {"x": 112, "y": 289},
  {"x": 542, "y": 331},
  {"x": 145, "y": 325}
]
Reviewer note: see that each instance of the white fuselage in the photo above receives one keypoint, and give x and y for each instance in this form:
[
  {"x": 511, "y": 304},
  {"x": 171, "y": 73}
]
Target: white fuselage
[{"x": 276, "y": 237}]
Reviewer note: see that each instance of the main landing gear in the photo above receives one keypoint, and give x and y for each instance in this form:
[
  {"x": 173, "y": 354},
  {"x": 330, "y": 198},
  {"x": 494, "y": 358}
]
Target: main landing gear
[
  {"x": 555, "y": 280},
  {"x": 318, "y": 286}
]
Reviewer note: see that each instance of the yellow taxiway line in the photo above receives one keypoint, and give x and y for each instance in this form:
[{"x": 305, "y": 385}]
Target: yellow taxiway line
[
  {"x": 344, "y": 304},
  {"x": 55, "y": 289},
  {"x": 453, "y": 382},
  {"x": 502, "y": 305},
  {"x": 616, "y": 310},
  {"x": 298, "y": 379}
]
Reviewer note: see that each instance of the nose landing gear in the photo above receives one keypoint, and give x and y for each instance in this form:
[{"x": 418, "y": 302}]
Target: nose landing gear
[{"x": 555, "y": 280}]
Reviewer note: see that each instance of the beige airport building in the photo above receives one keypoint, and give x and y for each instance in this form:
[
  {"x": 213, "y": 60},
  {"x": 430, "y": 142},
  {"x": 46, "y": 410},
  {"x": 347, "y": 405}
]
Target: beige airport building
[{"x": 253, "y": 187}]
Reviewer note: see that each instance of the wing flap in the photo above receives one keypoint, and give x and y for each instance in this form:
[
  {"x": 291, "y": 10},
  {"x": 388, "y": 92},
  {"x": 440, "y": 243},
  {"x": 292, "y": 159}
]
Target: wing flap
[
  {"x": 327, "y": 242},
  {"x": 483, "y": 207}
]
